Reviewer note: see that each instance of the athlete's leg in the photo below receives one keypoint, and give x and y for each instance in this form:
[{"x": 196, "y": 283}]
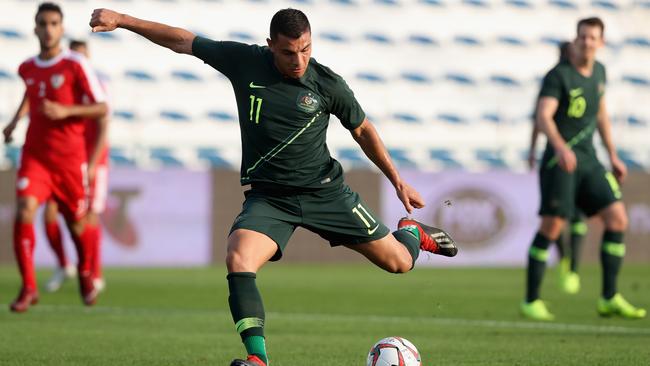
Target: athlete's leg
[
  {"x": 53, "y": 233},
  {"x": 247, "y": 252},
  {"x": 24, "y": 241},
  {"x": 578, "y": 232},
  {"x": 613, "y": 248},
  {"x": 390, "y": 254},
  {"x": 65, "y": 270},
  {"x": 550, "y": 229}
]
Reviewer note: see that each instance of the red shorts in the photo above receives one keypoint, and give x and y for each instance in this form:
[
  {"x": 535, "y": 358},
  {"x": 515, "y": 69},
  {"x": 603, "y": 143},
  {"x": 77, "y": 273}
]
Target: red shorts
[
  {"x": 67, "y": 185},
  {"x": 99, "y": 189}
]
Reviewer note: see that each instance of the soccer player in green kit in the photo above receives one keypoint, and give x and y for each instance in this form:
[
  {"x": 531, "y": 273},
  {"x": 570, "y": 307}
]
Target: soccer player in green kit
[
  {"x": 569, "y": 250},
  {"x": 571, "y": 107},
  {"x": 284, "y": 99}
]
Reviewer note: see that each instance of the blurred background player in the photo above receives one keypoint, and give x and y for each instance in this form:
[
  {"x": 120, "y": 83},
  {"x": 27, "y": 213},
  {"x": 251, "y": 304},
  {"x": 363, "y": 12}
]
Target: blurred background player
[
  {"x": 285, "y": 99},
  {"x": 97, "y": 158},
  {"x": 95, "y": 133},
  {"x": 568, "y": 250},
  {"x": 54, "y": 159},
  {"x": 571, "y": 107}
]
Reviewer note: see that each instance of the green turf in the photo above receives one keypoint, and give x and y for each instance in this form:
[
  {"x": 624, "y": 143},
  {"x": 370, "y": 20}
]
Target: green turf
[{"x": 324, "y": 315}]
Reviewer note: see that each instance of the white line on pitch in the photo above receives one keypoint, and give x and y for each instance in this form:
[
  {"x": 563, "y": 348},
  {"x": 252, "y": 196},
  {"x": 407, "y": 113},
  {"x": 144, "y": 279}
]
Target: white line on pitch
[{"x": 484, "y": 323}]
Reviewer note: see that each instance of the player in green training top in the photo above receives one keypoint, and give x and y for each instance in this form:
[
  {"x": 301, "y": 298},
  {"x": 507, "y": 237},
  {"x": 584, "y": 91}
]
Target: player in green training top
[
  {"x": 284, "y": 100},
  {"x": 571, "y": 107},
  {"x": 569, "y": 251}
]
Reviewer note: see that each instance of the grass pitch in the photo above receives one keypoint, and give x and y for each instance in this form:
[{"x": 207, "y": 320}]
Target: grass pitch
[{"x": 324, "y": 315}]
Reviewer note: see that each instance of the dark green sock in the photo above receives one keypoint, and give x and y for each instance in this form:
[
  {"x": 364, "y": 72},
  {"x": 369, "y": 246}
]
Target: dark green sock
[
  {"x": 410, "y": 238},
  {"x": 537, "y": 256},
  {"x": 247, "y": 312},
  {"x": 578, "y": 232},
  {"x": 611, "y": 257}
]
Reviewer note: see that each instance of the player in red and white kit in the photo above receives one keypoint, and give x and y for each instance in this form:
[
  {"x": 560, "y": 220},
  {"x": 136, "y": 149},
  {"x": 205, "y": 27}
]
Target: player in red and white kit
[
  {"x": 63, "y": 93},
  {"x": 95, "y": 133}
]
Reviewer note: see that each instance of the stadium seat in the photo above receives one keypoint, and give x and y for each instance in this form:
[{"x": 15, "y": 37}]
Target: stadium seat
[
  {"x": 638, "y": 41},
  {"x": 407, "y": 117},
  {"x": 476, "y": 3},
  {"x": 422, "y": 39},
  {"x": 11, "y": 33},
  {"x": 165, "y": 157},
  {"x": 563, "y": 4},
  {"x": 125, "y": 115},
  {"x": 636, "y": 80},
  {"x": 604, "y": 4},
  {"x": 416, "y": 77},
  {"x": 352, "y": 157},
  {"x": 627, "y": 157},
  {"x": 378, "y": 38},
  {"x": 451, "y": 118},
  {"x": 333, "y": 37},
  {"x": 370, "y": 76},
  {"x": 445, "y": 158},
  {"x": 511, "y": 40},
  {"x": 186, "y": 75},
  {"x": 213, "y": 157},
  {"x": 401, "y": 158},
  {"x": 521, "y": 4},
  {"x": 175, "y": 116},
  {"x": 139, "y": 75},
  {"x": 222, "y": 116},
  {"x": 5, "y": 75},
  {"x": 12, "y": 154},
  {"x": 119, "y": 157},
  {"x": 493, "y": 158}
]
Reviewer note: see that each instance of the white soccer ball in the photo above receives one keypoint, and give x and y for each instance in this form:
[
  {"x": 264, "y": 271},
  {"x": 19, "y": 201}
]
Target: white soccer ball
[{"x": 393, "y": 351}]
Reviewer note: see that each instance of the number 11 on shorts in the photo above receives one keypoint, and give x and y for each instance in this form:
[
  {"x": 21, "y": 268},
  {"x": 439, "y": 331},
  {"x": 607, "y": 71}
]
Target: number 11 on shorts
[{"x": 357, "y": 210}]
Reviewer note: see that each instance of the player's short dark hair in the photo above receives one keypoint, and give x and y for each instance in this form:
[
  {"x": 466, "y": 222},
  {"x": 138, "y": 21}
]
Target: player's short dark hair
[
  {"x": 48, "y": 7},
  {"x": 76, "y": 43},
  {"x": 565, "y": 48},
  {"x": 592, "y": 22},
  {"x": 289, "y": 22}
]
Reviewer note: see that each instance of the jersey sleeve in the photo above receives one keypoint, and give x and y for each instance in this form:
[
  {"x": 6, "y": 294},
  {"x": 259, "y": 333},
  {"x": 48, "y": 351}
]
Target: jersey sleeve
[
  {"x": 552, "y": 85},
  {"x": 87, "y": 82},
  {"x": 345, "y": 106},
  {"x": 224, "y": 56}
]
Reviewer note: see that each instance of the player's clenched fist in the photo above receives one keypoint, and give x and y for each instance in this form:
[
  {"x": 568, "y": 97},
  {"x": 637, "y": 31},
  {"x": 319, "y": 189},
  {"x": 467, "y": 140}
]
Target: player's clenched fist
[{"x": 104, "y": 20}]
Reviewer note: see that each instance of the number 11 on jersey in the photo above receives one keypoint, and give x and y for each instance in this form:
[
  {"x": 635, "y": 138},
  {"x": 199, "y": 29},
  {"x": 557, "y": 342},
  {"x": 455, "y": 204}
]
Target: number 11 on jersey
[{"x": 255, "y": 101}]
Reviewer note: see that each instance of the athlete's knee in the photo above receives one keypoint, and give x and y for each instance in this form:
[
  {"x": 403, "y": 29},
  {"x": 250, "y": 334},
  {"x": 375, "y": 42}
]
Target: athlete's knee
[
  {"x": 616, "y": 220},
  {"x": 399, "y": 264},
  {"x": 551, "y": 227},
  {"x": 237, "y": 261},
  {"x": 26, "y": 210}
]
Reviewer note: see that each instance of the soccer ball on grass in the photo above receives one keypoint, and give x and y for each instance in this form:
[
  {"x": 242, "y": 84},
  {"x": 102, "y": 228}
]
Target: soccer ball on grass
[{"x": 393, "y": 351}]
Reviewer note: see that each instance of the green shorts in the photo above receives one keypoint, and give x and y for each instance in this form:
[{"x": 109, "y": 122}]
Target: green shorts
[
  {"x": 337, "y": 214},
  {"x": 589, "y": 188}
]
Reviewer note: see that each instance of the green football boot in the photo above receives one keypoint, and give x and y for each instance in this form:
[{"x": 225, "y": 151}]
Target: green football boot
[
  {"x": 617, "y": 305},
  {"x": 536, "y": 310}
]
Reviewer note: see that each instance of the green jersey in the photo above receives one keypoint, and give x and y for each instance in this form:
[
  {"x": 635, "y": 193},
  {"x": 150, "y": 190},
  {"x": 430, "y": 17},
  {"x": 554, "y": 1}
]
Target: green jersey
[
  {"x": 579, "y": 100},
  {"x": 283, "y": 121}
]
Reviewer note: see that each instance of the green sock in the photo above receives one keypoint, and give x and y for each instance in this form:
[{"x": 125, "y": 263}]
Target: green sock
[
  {"x": 410, "y": 238},
  {"x": 537, "y": 256},
  {"x": 611, "y": 258},
  {"x": 247, "y": 312},
  {"x": 578, "y": 232}
]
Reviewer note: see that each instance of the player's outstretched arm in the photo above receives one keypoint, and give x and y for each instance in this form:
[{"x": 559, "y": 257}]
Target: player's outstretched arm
[
  {"x": 605, "y": 131},
  {"x": 564, "y": 156},
  {"x": 21, "y": 112},
  {"x": 367, "y": 137},
  {"x": 176, "y": 39}
]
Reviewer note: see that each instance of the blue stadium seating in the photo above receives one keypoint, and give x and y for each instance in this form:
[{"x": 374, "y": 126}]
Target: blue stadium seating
[
  {"x": 213, "y": 157},
  {"x": 563, "y": 4},
  {"x": 628, "y": 158},
  {"x": 139, "y": 75},
  {"x": 11, "y": 33},
  {"x": 186, "y": 75},
  {"x": 124, "y": 115},
  {"x": 118, "y": 157},
  {"x": 445, "y": 157},
  {"x": 493, "y": 158},
  {"x": 371, "y": 76},
  {"x": 12, "y": 154},
  {"x": 5, "y": 75},
  {"x": 407, "y": 117},
  {"x": 416, "y": 77},
  {"x": 401, "y": 159},
  {"x": 174, "y": 116},
  {"x": 165, "y": 156},
  {"x": 604, "y": 4},
  {"x": 352, "y": 157},
  {"x": 522, "y": 4},
  {"x": 222, "y": 116}
]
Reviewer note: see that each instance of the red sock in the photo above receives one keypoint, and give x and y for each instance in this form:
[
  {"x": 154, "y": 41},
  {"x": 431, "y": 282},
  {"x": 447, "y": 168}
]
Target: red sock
[
  {"x": 54, "y": 237},
  {"x": 24, "y": 249},
  {"x": 85, "y": 244},
  {"x": 96, "y": 265}
]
